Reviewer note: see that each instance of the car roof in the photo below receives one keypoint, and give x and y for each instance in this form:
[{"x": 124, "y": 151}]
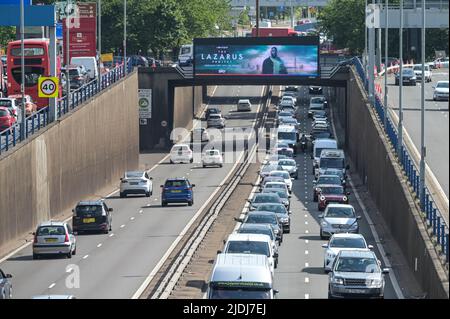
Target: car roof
[
  {"x": 279, "y": 171},
  {"x": 248, "y": 237},
  {"x": 53, "y": 297},
  {"x": 134, "y": 172},
  {"x": 244, "y": 101},
  {"x": 52, "y": 223},
  {"x": 265, "y": 194},
  {"x": 266, "y": 226},
  {"x": 347, "y": 235},
  {"x": 329, "y": 175},
  {"x": 357, "y": 253},
  {"x": 90, "y": 202},
  {"x": 261, "y": 212},
  {"x": 176, "y": 179},
  {"x": 340, "y": 205},
  {"x": 332, "y": 153},
  {"x": 249, "y": 267}
]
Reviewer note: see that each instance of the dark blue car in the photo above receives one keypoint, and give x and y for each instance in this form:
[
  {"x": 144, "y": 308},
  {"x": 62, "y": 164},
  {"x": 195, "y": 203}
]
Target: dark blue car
[{"x": 177, "y": 190}]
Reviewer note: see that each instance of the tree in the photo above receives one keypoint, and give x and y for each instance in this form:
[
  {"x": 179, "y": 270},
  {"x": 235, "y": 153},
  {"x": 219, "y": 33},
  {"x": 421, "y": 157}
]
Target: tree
[
  {"x": 343, "y": 20},
  {"x": 7, "y": 34}
]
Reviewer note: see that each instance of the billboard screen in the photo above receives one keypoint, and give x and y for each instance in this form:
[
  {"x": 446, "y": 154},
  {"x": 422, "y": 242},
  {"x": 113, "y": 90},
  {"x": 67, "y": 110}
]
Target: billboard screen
[{"x": 284, "y": 57}]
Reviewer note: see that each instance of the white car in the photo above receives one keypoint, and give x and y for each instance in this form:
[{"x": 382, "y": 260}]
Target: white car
[
  {"x": 244, "y": 105},
  {"x": 289, "y": 98},
  {"x": 181, "y": 153},
  {"x": 418, "y": 72},
  {"x": 212, "y": 158},
  {"x": 215, "y": 120},
  {"x": 13, "y": 105},
  {"x": 136, "y": 182},
  {"x": 340, "y": 242},
  {"x": 272, "y": 185},
  {"x": 285, "y": 175},
  {"x": 441, "y": 91}
]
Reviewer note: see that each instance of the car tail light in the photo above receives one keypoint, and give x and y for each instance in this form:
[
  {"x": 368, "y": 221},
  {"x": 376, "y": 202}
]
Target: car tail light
[
  {"x": 35, "y": 239},
  {"x": 78, "y": 78},
  {"x": 66, "y": 240}
]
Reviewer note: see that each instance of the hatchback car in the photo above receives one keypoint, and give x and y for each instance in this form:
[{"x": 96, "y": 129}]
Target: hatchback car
[
  {"x": 181, "y": 153},
  {"x": 315, "y": 89},
  {"x": 263, "y": 198},
  {"x": 7, "y": 119},
  {"x": 12, "y": 104},
  {"x": 441, "y": 91},
  {"x": 92, "y": 216},
  {"x": 212, "y": 158},
  {"x": 54, "y": 238},
  {"x": 211, "y": 110},
  {"x": 177, "y": 190},
  {"x": 266, "y": 169},
  {"x": 408, "y": 77},
  {"x": 418, "y": 72},
  {"x": 5, "y": 285},
  {"x": 136, "y": 182},
  {"x": 215, "y": 120},
  {"x": 325, "y": 180},
  {"x": 338, "y": 172},
  {"x": 283, "y": 214},
  {"x": 244, "y": 105},
  {"x": 262, "y": 217},
  {"x": 290, "y": 166},
  {"x": 199, "y": 135},
  {"x": 282, "y": 193},
  {"x": 356, "y": 274},
  {"x": 263, "y": 229},
  {"x": 285, "y": 175},
  {"x": 338, "y": 218},
  {"x": 331, "y": 194},
  {"x": 340, "y": 242},
  {"x": 315, "y": 104}
]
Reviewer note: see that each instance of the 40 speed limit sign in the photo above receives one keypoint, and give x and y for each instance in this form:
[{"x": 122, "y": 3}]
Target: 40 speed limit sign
[{"x": 48, "y": 86}]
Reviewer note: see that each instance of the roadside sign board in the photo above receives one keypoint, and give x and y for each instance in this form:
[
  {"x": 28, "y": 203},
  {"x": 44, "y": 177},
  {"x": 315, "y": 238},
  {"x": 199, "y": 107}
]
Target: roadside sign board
[
  {"x": 107, "y": 57},
  {"x": 48, "y": 86},
  {"x": 145, "y": 103}
]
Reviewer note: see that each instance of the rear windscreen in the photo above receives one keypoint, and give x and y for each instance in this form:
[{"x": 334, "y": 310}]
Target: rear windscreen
[
  {"x": 51, "y": 231},
  {"x": 176, "y": 183},
  {"x": 91, "y": 210}
]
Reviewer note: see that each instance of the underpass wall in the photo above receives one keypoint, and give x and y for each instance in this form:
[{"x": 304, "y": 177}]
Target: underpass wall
[
  {"x": 76, "y": 157},
  {"x": 375, "y": 162}
]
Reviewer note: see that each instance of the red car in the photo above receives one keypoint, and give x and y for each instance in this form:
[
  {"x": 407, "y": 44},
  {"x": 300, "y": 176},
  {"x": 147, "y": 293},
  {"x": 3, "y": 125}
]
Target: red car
[
  {"x": 6, "y": 119},
  {"x": 331, "y": 194}
]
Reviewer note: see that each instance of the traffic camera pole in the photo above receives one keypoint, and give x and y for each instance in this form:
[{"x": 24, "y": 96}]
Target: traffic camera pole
[
  {"x": 400, "y": 82},
  {"x": 422, "y": 118},
  {"x": 386, "y": 52},
  {"x": 23, "y": 133}
]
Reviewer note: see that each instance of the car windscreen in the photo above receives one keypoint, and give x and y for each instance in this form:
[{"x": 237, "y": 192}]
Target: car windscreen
[
  {"x": 91, "y": 210},
  {"x": 287, "y": 163},
  {"x": 4, "y": 113},
  {"x": 337, "y": 172},
  {"x": 215, "y": 116},
  {"x": 287, "y": 135},
  {"x": 278, "y": 209},
  {"x": 261, "y": 219},
  {"x": 248, "y": 247},
  {"x": 332, "y": 190},
  {"x": 283, "y": 174},
  {"x": 134, "y": 174},
  {"x": 342, "y": 242},
  {"x": 408, "y": 72},
  {"x": 176, "y": 183},
  {"x": 333, "y": 180},
  {"x": 317, "y": 100},
  {"x": 6, "y": 103},
  {"x": 213, "y": 111},
  {"x": 280, "y": 192},
  {"x": 442, "y": 85},
  {"x": 357, "y": 264},
  {"x": 51, "y": 231},
  {"x": 266, "y": 198},
  {"x": 340, "y": 212},
  {"x": 332, "y": 162},
  {"x": 262, "y": 231}
]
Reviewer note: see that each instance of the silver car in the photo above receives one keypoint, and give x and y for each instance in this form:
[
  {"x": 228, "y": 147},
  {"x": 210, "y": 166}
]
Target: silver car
[
  {"x": 356, "y": 273},
  {"x": 54, "y": 238},
  {"x": 338, "y": 218},
  {"x": 215, "y": 120},
  {"x": 290, "y": 166},
  {"x": 5, "y": 286},
  {"x": 136, "y": 182}
]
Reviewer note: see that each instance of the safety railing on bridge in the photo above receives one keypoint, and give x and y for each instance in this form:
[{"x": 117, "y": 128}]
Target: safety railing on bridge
[
  {"x": 10, "y": 137},
  {"x": 434, "y": 217}
]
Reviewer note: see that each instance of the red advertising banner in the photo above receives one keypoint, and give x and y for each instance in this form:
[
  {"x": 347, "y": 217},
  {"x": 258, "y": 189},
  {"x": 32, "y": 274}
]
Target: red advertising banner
[{"x": 82, "y": 30}]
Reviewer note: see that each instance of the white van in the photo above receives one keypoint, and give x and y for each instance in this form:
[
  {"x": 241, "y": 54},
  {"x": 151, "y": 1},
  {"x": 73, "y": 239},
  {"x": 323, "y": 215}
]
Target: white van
[
  {"x": 288, "y": 134},
  {"x": 186, "y": 55},
  {"x": 241, "y": 276},
  {"x": 319, "y": 145},
  {"x": 89, "y": 63}
]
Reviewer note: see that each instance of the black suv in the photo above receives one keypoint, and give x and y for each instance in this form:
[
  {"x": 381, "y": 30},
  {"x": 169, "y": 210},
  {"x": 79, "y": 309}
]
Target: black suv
[
  {"x": 77, "y": 76},
  {"x": 92, "y": 216}
]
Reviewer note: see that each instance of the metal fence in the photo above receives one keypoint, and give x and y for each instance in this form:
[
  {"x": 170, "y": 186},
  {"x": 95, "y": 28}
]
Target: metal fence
[
  {"x": 11, "y": 136},
  {"x": 434, "y": 217}
]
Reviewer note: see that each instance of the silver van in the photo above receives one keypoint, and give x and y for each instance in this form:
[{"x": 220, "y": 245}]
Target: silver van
[{"x": 241, "y": 276}]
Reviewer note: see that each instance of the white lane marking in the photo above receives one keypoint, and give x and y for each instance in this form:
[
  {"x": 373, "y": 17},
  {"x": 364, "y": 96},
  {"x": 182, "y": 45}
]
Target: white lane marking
[
  {"x": 306, "y": 265},
  {"x": 306, "y": 223},
  {"x": 99, "y": 245},
  {"x": 110, "y": 235},
  {"x": 306, "y": 252},
  {"x": 69, "y": 270},
  {"x": 306, "y": 231},
  {"x": 132, "y": 218},
  {"x": 306, "y": 241},
  {"x": 141, "y": 211},
  {"x": 152, "y": 274},
  {"x": 306, "y": 215},
  {"x": 52, "y": 285},
  {"x": 306, "y": 280},
  {"x": 85, "y": 257},
  {"x": 306, "y": 296},
  {"x": 122, "y": 226},
  {"x": 155, "y": 201},
  {"x": 386, "y": 261}
]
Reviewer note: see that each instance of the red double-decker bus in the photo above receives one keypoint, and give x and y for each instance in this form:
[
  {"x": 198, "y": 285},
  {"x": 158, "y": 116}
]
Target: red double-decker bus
[{"x": 37, "y": 64}]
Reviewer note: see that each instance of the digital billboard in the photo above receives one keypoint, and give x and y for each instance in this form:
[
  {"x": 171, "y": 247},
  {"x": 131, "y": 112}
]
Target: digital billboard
[{"x": 284, "y": 57}]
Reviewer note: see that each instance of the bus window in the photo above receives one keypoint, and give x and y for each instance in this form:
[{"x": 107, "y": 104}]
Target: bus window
[{"x": 32, "y": 75}]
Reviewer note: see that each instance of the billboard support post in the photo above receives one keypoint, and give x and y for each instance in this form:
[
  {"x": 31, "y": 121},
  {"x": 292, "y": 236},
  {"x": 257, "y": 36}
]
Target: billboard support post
[{"x": 53, "y": 114}]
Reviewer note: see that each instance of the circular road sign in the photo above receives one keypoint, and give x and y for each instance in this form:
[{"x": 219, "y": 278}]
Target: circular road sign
[{"x": 48, "y": 87}]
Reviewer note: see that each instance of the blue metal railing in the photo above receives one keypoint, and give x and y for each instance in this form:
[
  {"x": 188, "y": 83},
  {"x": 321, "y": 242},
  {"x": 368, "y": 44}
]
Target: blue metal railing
[
  {"x": 434, "y": 217},
  {"x": 11, "y": 136}
]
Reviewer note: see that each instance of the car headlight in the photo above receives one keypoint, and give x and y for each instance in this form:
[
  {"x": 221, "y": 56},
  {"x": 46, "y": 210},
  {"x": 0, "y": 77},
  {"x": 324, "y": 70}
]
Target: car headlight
[
  {"x": 324, "y": 223},
  {"x": 330, "y": 255},
  {"x": 373, "y": 283},
  {"x": 276, "y": 231},
  {"x": 284, "y": 219},
  {"x": 344, "y": 198},
  {"x": 338, "y": 281},
  {"x": 322, "y": 198},
  {"x": 354, "y": 226}
]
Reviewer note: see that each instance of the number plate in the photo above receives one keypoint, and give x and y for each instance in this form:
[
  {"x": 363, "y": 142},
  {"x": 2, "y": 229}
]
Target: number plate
[
  {"x": 88, "y": 220},
  {"x": 356, "y": 291},
  {"x": 134, "y": 183},
  {"x": 51, "y": 240},
  {"x": 176, "y": 191}
]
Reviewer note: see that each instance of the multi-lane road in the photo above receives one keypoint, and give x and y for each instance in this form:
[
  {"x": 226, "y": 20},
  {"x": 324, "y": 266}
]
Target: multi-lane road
[
  {"x": 436, "y": 122},
  {"x": 116, "y": 265}
]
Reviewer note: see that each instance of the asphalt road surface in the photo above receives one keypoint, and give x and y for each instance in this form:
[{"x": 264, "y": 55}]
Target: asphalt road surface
[
  {"x": 115, "y": 265},
  {"x": 436, "y": 122}
]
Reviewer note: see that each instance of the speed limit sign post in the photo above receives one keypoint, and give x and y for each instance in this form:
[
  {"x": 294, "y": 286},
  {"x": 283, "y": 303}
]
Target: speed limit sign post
[{"x": 48, "y": 86}]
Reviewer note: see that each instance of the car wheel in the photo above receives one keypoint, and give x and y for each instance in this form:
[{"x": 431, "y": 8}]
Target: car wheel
[
  {"x": 321, "y": 235},
  {"x": 221, "y": 165},
  {"x": 163, "y": 204},
  {"x": 74, "y": 252},
  {"x": 296, "y": 176},
  {"x": 147, "y": 194},
  {"x": 35, "y": 256},
  {"x": 315, "y": 198},
  {"x": 122, "y": 195},
  {"x": 191, "y": 203},
  {"x": 329, "y": 294},
  {"x": 69, "y": 255},
  {"x": 204, "y": 165},
  {"x": 171, "y": 162},
  {"x": 191, "y": 160}
]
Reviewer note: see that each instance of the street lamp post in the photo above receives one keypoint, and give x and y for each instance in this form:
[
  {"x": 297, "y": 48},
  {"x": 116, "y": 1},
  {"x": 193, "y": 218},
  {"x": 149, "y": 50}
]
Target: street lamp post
[
  {"x": 422, "y": 117},
  {"x": 257, "y": 18},
  {"x": 125, "y": 36},
  {"x": 99, "y": 42},
  {"x": 67, "y": 53},
  {"x": 386, "y": 55},
  {"x": 400, "y": 82},
  {"x": 23, "y": 132}
]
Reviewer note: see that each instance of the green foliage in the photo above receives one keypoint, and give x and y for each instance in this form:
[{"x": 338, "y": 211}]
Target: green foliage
[{"x": 7, "y": 34}]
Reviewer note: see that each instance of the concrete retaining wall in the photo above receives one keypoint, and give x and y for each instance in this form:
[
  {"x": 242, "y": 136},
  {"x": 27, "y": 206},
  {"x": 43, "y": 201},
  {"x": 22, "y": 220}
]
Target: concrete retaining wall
[
  {"x": 73, "y": 158},
  {"x": 375, "y": 162}
]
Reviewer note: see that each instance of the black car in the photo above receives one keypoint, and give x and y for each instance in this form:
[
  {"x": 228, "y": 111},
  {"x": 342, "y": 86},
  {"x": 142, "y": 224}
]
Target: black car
[
  {"x": 315, "y": 89},
  {"x": 211, "y": 110},
  {"x": 5, "y": 286},
  {"x": 409, "y": 77},
  {"x": 77, "y": 76},
  {"x": 92, "y": 216}
]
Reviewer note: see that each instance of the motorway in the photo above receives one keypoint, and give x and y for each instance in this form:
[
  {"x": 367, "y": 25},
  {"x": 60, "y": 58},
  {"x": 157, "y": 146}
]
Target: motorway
[
  {"x": 115, "y": 265},
  {"x": 436, "y": 122}
]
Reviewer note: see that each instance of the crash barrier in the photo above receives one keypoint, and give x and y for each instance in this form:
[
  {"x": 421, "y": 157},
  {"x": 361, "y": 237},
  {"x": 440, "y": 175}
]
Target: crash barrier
[
  {"x": 435, "y": 220},
  {"x": 11, "y": 137}
]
